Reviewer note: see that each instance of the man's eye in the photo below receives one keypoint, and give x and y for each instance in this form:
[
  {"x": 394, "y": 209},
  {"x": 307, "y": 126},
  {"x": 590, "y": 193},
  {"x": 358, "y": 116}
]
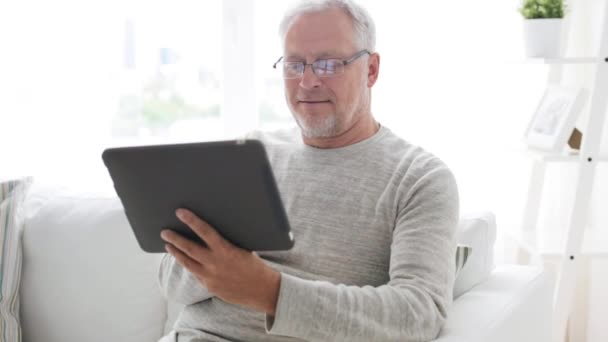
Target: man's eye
[
  {"x": 332, "y": 66},
  {"x": 320, "y": 67},
  {"x": 292, "y": 67},
  {"x": 328, "y": 66}
]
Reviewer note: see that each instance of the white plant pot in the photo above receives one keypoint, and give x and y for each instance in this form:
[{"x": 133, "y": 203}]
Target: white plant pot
[{"x": 543, "y": 37}]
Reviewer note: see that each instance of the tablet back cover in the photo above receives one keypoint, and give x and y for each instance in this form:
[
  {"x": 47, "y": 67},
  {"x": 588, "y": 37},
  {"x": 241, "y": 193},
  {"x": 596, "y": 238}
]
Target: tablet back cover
[{"x": 229, "y": 184}]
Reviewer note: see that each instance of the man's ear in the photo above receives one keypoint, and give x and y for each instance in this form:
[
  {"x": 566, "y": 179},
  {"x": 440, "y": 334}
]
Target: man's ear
[{"x": 373, "y": 67}]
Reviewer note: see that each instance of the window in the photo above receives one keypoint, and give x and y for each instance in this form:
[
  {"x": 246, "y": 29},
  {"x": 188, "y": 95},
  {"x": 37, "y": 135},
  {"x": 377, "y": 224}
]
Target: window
[
  {"x": 271, "y": 105},
  {"x": 171, "y": 75},
  {"x": 108, "y": 74}
]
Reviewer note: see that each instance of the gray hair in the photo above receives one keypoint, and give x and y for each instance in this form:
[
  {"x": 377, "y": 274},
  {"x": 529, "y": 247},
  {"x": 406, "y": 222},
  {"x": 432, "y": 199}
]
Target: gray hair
[{"x": 364, "y": 27}]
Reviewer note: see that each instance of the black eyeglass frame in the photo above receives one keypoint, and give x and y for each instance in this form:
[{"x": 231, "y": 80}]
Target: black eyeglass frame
[{"x": 345, "y": 62}]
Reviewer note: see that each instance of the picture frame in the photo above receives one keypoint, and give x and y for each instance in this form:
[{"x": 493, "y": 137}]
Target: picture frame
[{"x": 555, "y": 117}]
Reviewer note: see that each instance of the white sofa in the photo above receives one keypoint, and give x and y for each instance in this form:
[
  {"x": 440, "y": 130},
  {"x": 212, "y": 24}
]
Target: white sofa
[{"x": 84, "y": 278}]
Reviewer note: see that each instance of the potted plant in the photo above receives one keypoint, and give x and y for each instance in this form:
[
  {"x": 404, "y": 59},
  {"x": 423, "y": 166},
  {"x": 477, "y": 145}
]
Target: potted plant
[{"x": 542, "y": 27}]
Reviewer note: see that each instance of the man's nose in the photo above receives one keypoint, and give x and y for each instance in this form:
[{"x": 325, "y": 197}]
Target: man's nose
[{"x": 309, "y": 79}]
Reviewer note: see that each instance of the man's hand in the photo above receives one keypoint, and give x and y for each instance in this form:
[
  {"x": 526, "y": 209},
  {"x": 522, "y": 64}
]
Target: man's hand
[{"x": 232, "y": 274}]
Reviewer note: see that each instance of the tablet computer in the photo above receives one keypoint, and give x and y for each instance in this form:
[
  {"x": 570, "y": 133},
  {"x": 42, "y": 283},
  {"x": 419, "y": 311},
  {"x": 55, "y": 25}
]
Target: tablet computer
[{"x": 229, "y": 184}]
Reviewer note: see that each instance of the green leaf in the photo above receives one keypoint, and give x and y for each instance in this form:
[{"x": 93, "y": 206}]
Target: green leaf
[{"x": 533, "y": 9}]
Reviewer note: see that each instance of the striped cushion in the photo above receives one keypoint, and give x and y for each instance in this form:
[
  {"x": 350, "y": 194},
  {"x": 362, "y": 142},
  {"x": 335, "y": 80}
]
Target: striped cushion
[
  {"x": 12, "y": 194},
  {"x": 462, "y": 255}
]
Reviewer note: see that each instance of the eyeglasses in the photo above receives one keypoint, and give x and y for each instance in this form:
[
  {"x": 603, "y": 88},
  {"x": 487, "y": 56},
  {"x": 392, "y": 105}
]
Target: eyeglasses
[{"x": 321, "y": 67}]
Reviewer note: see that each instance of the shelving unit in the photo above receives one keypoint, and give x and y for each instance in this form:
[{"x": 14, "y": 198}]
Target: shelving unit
[
  {"x": 567, "y": 60},
  {"x": 579, "y": 244},
  {"x": 551, "y": 246},
  {"x": 566, "y": 156}
]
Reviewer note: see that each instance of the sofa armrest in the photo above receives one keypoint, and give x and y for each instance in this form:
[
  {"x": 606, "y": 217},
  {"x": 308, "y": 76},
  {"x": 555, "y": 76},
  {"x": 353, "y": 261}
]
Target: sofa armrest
[{"x": 513, "y": 304}]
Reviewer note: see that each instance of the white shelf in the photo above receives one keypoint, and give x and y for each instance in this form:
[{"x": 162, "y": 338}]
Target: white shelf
[
  {"x": 568, "y": 60},
  {"x": 551, "y": 244},
  {"x": 566, "y": 156},
  {"x": 562, "y": 60}
]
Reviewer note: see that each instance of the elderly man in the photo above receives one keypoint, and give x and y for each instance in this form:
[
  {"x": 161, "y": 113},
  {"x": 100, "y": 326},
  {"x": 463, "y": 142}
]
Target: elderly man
[{"x": 374, "y": 216}]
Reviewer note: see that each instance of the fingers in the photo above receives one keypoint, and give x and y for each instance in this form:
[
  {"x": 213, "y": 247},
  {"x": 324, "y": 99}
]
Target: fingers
[
  {"x": 201, "y": 228},
  {"x": 186, "y": 246},
  {"x": 193, "y": 266}
]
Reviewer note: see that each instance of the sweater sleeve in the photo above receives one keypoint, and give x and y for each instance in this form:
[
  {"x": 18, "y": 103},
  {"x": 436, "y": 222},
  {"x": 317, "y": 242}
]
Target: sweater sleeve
[
  {"x": 413, "y": 305},
  {"x": 179, "y": 285}
]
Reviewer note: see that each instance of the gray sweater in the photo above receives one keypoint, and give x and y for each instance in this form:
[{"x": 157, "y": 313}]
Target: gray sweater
[{"x": 374, "y": 227}]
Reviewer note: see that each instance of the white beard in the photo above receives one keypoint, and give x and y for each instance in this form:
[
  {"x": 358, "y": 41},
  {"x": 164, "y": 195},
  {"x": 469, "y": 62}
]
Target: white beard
[{"x": 312, "y": 127}]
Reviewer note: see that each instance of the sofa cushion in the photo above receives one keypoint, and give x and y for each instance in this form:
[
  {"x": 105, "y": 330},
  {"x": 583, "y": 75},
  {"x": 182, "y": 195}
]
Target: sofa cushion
[
  {"x": 462, "y": 255},
  {"x": 84, "y": 275},
  {"x": 12, "y": 194},
  {"x": 477, "y": 230}
]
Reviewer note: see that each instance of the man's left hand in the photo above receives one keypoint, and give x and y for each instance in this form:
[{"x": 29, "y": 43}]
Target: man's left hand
[{"x": 232, "y": 274}]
